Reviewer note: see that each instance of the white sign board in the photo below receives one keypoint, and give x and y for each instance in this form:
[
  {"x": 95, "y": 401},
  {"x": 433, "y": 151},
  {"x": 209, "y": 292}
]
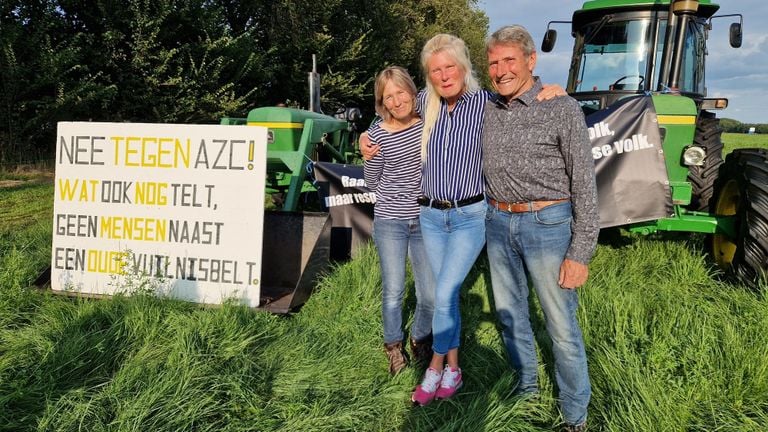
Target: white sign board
[{"x": 176, "y": 209}]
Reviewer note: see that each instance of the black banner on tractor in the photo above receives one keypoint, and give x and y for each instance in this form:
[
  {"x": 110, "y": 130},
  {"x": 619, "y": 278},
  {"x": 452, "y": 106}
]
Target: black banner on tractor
[
  {"x": 350, "y": 203},
  {"x": 632, "y": 181}
]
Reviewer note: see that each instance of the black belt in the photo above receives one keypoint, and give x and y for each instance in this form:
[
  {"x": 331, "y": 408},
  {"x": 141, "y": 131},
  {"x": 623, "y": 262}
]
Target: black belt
[{"x": 444, "y": 204}]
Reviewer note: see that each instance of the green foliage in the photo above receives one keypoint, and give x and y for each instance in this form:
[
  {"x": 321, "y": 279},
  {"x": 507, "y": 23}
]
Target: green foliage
[
  {"x": 730, "y": 125},
  {"x": 735, "y": 126},
  {"x": 42, "y": 79},
  {"x": 423, "y": 19},
  {"x": 670, "y": 347},
  {"x": 194, "y": 61}
]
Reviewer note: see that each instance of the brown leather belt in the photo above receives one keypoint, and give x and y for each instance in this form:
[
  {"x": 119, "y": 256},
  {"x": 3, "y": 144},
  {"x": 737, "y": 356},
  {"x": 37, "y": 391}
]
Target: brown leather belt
[{"x": 523, "y": 207}]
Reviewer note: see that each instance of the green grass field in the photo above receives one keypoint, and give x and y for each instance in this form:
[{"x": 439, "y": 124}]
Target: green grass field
[
  {"x": 734, "y": 141},
  {"x": 671, "y": 348}
]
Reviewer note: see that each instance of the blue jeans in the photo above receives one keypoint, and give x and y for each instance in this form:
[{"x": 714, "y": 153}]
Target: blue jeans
[
  {"x": 395, "y": 239},
  {"x": 454, "y": 239},
  {"x": 535, "y": 244}
]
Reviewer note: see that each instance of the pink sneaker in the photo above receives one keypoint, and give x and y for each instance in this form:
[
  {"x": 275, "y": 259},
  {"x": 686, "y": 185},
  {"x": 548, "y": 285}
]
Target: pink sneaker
[
  {"x": 450, "y": 383},
  {"x": 425, "y": 392}
]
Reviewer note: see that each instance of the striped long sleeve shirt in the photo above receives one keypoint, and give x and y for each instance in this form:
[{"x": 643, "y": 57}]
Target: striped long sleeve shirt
[
  {"x": 453, "y": 169},
  {"x": 395, "y": 173}
]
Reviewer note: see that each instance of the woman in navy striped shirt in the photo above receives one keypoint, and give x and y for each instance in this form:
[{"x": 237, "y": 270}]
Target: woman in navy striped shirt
[{"x": 394, "y": 175}]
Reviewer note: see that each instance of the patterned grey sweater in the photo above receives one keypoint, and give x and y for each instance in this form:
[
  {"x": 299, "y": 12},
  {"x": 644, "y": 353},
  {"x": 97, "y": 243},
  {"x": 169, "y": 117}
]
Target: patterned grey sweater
[{"x": 540, "y": 150}]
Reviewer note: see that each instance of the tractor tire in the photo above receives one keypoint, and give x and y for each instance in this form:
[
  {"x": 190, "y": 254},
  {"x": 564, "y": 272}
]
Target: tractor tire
[
  {"x": 702, "y": 178},
  {"x": 741, "y": 191}
]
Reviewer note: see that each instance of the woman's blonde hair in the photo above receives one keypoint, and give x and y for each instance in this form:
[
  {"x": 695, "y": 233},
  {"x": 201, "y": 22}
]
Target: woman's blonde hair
[
  {"x": 456, "y": 49},
  {"x": 400, "y": 77}
]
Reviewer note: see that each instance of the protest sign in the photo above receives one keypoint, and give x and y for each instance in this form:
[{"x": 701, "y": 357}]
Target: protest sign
[{"x": 177, "y": 209}]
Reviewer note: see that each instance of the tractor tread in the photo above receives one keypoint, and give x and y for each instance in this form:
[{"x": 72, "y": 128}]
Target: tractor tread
[
  {"x": 749, "y": 168},
  {"x": 702, "y": 178}
]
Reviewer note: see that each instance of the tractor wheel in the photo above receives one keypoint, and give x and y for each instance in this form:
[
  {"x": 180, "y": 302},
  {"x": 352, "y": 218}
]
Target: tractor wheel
[
  {"x": 742, "y": 192},
  {"x": 703, "y": 177}
]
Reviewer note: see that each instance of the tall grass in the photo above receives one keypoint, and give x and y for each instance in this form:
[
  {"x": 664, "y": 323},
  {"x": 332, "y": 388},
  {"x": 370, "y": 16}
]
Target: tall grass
[{"x": 670, "y": 349}]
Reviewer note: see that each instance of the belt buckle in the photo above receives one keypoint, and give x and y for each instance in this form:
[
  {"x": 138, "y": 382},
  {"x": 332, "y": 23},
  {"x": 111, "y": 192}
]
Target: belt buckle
[{"x": 444, "y": 204}]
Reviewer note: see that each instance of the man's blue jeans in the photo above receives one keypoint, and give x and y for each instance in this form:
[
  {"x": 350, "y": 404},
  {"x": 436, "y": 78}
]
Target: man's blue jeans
[
  {"x": 454, "y": 239},
  {"x": 395, "y": 239},
  {"x": 535, "y": 244}
]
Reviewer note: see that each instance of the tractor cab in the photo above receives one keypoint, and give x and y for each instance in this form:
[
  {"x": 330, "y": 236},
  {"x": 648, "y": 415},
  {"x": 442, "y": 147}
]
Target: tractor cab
[{"x": 624, "y": 48}]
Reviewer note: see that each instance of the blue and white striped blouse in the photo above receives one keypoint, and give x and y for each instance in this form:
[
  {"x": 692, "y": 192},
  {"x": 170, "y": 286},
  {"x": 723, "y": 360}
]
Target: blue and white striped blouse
[
  {"x": 395, "y": 173},
  {"x": 453, "y": 169}
]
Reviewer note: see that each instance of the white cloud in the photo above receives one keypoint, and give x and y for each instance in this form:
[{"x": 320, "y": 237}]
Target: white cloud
[{"x": 738, "y": 74}]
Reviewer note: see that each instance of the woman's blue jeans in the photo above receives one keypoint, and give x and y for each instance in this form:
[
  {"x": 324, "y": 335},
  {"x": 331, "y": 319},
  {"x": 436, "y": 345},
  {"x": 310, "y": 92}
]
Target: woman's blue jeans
[
  {"x": 536, "y": 243},
  {"x": 395, "y": 239},
  {"x": 454, "y": 239}
]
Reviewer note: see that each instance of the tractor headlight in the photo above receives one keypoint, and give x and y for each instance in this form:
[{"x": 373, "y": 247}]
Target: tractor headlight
[{"x": 694, "y": 155}]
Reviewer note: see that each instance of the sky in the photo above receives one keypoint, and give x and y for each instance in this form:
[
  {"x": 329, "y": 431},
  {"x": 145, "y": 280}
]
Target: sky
[{"x": 739, "y": 74}]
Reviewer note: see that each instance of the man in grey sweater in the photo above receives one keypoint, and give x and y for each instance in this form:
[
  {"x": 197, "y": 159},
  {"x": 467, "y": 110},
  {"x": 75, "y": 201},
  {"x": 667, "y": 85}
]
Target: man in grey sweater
[{"x": 542, "y": 218}]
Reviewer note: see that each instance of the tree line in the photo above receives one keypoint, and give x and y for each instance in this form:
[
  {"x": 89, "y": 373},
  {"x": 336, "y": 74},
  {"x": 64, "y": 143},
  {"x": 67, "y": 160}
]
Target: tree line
[
  {"x": 735, "y": 126},
  {"x": 194, "y": 61}
]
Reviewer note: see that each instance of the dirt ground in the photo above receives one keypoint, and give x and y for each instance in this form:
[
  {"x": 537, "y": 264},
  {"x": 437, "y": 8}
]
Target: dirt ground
[
  {"x": 25, "y": 175},
  {"x": 10, "y": 183}
]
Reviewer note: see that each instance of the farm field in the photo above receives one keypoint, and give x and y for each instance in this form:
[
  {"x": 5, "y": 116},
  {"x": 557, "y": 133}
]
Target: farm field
[
  {"x": 671, "y": 345},
  {"x": 734, "y": 141}
]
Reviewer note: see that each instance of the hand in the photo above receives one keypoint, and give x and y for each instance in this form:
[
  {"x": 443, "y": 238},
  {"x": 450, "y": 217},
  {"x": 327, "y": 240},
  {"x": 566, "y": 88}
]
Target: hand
[
  {"x": 550, "y": 91},
  {"x": 573, "y": 274},
  {"x": 368, "y": 148}
]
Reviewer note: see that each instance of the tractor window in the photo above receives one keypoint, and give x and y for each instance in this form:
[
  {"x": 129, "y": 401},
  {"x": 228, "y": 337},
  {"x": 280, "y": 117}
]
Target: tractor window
[
  {"x": 692, "y": 74},
  {"x": 692, "y": 68},
  {"x": 614, "y": 56}
]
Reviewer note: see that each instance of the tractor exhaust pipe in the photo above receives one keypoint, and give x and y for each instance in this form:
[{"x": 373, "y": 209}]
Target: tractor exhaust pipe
[
  {"x": 680, "y": 12},
  {"x": 314, "y": 88},
  {"x": 666, "y": 58},
  {"x": 683, "y": 9}
]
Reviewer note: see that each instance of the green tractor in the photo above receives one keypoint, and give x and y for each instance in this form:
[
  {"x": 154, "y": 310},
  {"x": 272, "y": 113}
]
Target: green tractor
[
  {"x": 298, "y": 238},
  {"x": 298, "y": 137},
  {"x": 656, "y": 49}
]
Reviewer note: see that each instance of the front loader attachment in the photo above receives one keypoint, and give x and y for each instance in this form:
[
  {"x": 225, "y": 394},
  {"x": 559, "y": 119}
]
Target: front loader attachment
[{"x": 296, "y": 250}]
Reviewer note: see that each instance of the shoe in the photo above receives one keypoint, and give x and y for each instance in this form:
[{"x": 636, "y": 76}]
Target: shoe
[
  {"x": 422, "y": 349},
  {"x": 525, "y": 392},
  {"x": 425, "y": 392},
  {"x": 450, "y": 383},
  {"x": 398, "y": 358},
  {"x": 581, "y": 427}
]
